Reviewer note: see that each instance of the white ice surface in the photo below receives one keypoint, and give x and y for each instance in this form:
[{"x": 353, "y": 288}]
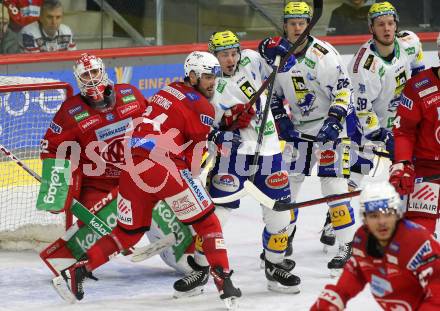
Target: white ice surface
[{"x": 123, "y": 285}]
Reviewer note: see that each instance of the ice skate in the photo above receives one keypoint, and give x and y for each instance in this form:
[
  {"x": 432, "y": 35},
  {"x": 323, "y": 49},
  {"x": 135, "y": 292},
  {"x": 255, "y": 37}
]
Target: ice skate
[
  {"x": 192, "y": 284},
  {"x": 337, "y": 263},
  {"x": 287, "y": 264},
  {"x": 72, "y": 287},
  {"x": 328, "y": 236},
  {"x": 228, "y": 293},
  {"x": 280, "y": 280}
]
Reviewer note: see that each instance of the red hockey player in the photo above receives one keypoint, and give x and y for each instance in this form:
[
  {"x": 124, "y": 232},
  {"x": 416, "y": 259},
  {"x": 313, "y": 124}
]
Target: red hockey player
[
  {"x": 85, "y": 136},
  {"x": 398, "y": 258},
  {"x": 167, "y": 144},
  {"x": 417, "y": 153}
]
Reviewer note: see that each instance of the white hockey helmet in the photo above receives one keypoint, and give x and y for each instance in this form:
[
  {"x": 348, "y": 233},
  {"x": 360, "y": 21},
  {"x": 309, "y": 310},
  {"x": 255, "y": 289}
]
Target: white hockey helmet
[
  {"x": 202, "y": 62},
  {"x": 92, "y": 78},
  {"x": 379, "y": 196}
]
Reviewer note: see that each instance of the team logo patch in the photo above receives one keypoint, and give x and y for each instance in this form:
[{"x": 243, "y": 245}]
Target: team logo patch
[
  {"x": 125, "y": 212},
  {"x": 75, "y": 110},
  {"x": 226, "y": 183},
  {"x": 207, "y": 120},
  {"x": 55, "y": 128},
  {"x": 277, "y": 180},
  {"x": 406, "y": 102},
  {"x": 89, "y": 123},
  {"x": 109, "y": 116}
]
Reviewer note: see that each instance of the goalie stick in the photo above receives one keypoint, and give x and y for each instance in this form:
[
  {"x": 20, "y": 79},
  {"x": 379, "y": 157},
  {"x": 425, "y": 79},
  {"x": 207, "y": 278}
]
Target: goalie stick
[
  {"x": 280, "y": 206},
  {"x": 269, "y": 82}
]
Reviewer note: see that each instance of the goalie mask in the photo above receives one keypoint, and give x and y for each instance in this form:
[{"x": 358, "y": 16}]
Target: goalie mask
[
  {"x": 380, "y": 197},
  {"x": 93, "y": 82}
]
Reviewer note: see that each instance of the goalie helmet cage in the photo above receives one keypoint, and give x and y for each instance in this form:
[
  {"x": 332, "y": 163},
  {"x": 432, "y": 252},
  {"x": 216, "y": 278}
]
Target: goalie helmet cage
[{"x": 27, "y": 106}]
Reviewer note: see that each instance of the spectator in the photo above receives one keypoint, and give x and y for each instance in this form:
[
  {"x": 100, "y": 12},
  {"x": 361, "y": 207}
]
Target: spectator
[
  {"x": 47, "y": 34},
  {"x": 350, "y": 18},
  {"x": 8, "y": 39},
  {"x": 22, "y": 12}
]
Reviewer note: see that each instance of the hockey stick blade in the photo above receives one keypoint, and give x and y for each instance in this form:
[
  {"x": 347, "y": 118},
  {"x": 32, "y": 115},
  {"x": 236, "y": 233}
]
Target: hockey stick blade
[
  {"x": 230, "y": 198},
  {"x": 143, "y": 253},
  {"x": 281, "y": 206}
]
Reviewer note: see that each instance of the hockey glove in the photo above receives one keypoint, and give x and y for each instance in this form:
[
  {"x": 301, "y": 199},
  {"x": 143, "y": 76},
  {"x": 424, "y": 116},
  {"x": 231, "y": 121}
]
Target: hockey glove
[
  {"x": 271, "y": 47},
  {"x": 332, "y": 126},
  {"x": 240, "y": 115},
  {"x": 384, "y": 136},
  {"x": 402, "y": 177},
  {"x": 225, "y": 140},
  {"x": 286, "y": 130},
  {"x": 328, "y": 300}
]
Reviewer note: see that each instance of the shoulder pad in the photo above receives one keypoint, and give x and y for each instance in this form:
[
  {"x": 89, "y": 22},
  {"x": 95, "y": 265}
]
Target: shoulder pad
[{"x": 402, "y": 34}]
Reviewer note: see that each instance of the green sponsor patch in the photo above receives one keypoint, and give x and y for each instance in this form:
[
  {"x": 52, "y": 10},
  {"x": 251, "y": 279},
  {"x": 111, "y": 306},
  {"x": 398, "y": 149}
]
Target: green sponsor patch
[
  {"x": 381, "y": 71},
  {"x": 221, "y": 85},
  {"x": 245, "y": 61},
  {"x": 411, "y": 51},
  {"x": 269, "y": 129},
  {"x": 168, "y": 222},
  {"x": 54, "y": 185},
  {"x": 309, "y": 63},
  {"x": 390, "y": 122},
  {"x": 128, "y": 99},
  {"x": 81, "y": 116}
]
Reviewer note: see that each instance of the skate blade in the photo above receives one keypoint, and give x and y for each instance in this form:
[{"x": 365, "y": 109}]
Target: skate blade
[
  {"x": 262, "y": 264},
  {"x": 61, "y": 288},
  {"x": 231, "y": 303},
  {"x": 335, "y": 273},
  {"x": 277, "y": 287},
  {"x": 194, "y": 292},
  {"x": 325, "y": 249}
]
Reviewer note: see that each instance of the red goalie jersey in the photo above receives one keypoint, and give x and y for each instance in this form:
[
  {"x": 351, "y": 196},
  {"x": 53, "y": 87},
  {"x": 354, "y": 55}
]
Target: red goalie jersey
[{"x": 406, "y": 276}]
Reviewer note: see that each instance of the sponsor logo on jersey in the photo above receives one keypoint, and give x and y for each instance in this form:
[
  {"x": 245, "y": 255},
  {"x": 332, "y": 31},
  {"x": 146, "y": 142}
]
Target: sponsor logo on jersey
[
  {"x": 277, "y": 180},
  {"x": 422, "y": 83},
  {"x": 125, "y": 212},
  {"x": 424, "y": 198},
  {"x": 195, "y": 188},
  {"x": 362, "y": 88},
  {"x": 418, "y": 259},
  {"x": 226, "y": 183},
  {"x": 309, "y": 63},
  {"x": 381, "y": 71},
  {"x": 369, "y": 62},
  {"x": 176, "y": 93},
  {"x": 183, "y": 205},
  {"x": 406, "y": 102},
  {"x": 144, "y": 143},
  {"x": 433, "y": 99},
  {"x": 207, "y": 120},
  {"x": 126, "y": 91},
  {"x": 268, "y": 130},
  {"x": 192, "y": 96},
  {"x": 127, "y": 109},
  {"x": 55, "y": 128},
  {"x": 358, "y": 252},
  {"x": 428, "y": 91},
  {"x": 247, "y": 89},
  {"x": 320, "y": 48},
  {"x": 81, "y": 116},
  {"x": 89, "y": 123},
  {"x": 113, "y": 130},
  {"x": 245, "y": 61},
  {"x": 380, "y": 287},
  {"x": 128, "y": 99},
  {"x": 394, "y": 247},
  {"x": 327, "y": 157},
  {"x": 75, "y": 110},
  {"x": 358, "y": 60},
  {"x": 109, "y": 116},
  {"x": 410, "y": 51},
  {"x": 392, "y": 259},
  {"x": 221, "y": 85}
]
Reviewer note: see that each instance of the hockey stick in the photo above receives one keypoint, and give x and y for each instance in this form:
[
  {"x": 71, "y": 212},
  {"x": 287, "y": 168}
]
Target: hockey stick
[
  {"x": 143, "y": 253},
  {"x": 78, "y": 209},
  {"x": 280, "y": 206}
]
